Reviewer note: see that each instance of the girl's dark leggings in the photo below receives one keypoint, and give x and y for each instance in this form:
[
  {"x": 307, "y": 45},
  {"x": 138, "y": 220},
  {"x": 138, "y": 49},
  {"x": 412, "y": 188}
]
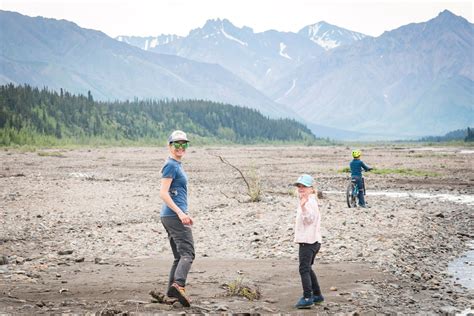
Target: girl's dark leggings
[{"x": 307, "y": 253}]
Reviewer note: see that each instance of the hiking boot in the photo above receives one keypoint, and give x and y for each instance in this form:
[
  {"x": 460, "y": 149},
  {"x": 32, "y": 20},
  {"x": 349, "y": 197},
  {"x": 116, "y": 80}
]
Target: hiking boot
[
  {"x": 178, "y": 292},
  {"x": 304, "y": 302},
  {"x": 318, "y": 299}
]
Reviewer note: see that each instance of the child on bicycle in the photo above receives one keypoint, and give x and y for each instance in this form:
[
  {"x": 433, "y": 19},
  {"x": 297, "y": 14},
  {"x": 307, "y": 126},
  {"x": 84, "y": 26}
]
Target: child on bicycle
[
  {"x": 308, "y": 236},
  {"x": 357, "y": 166}
]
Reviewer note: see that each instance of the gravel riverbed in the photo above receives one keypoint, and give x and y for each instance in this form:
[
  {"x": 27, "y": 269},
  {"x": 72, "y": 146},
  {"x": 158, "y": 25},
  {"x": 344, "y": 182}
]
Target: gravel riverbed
[{"x": 80, "y": 230}]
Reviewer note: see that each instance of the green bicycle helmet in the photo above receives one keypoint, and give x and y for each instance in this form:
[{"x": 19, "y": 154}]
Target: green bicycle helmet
[{"x": 356, "y": 153}]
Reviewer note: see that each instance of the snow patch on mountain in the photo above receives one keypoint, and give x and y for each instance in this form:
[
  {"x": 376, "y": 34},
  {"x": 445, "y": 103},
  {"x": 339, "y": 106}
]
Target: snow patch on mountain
[
  {"x": 313, "y": 29},
  {"x": 357, "y": 36},
  {"x": 329, "y": 36},
  {"x": 233, "y": 38},
  {"x": 326, "y": 43},
  {"x": 293, "y": 85},
  {"x": 282, "y": 51},
  {"x": 325, "y": 40},
  {"x": 147, "y": 43}
]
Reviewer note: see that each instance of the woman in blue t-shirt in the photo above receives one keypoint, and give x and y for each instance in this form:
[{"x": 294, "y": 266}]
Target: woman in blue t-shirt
[{"x": 175, "y": 218}]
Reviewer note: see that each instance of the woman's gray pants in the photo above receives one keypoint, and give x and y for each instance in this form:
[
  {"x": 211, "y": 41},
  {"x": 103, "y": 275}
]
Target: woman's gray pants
[{"x": 182, "y": 245}]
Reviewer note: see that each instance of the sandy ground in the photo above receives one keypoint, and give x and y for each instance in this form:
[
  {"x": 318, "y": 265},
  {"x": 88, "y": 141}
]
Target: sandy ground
[{"x": 80, "y": 230}]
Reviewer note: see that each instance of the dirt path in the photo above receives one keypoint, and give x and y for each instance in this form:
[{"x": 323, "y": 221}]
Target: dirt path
[{"x": 124, "y": 286}]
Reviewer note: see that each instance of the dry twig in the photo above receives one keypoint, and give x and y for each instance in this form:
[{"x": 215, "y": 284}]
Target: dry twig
[{"x": 253, "y": 191}]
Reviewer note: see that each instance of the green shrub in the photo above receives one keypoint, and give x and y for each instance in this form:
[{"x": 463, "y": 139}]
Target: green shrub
[{"x": 238, "y": 288}]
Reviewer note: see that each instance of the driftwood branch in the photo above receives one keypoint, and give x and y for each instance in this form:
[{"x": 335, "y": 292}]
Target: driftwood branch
[
  {"x": 253, "y": 188},
  {"x": 225, "y": 161}
]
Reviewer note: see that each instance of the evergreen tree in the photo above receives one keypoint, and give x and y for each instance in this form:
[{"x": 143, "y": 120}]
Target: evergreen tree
[
  {"x": 57, "y": 132},
  {"x": 470, "y": 135}
]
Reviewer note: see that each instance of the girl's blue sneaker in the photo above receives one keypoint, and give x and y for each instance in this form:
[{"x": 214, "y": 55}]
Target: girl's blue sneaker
[
  {"x": 318, "y": 299},
  {"x": 304, "y": 303}
]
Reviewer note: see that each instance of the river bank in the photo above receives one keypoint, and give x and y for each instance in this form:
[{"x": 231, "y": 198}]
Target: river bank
[{"x": 82, "y": 231}]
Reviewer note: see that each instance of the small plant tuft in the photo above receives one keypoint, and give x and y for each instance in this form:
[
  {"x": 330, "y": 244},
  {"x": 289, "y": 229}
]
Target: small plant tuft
[
  {"x": 255, "y": 188},
  {"x": 51, "y": 154},
  {"x": 345, "y": 170},
  {"x": 237, "y": 287},
  {"x": 292, "y": 191}
]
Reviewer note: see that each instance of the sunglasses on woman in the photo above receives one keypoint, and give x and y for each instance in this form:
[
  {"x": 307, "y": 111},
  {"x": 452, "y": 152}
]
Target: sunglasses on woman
[{"x": 180, "y": 145}]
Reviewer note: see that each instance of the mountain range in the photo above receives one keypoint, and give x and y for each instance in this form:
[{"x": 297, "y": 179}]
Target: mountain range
[
  {"x": 59, "y": 54},
  {"x": 412, "y": 81},
  {"x": 258, "y": 58}
]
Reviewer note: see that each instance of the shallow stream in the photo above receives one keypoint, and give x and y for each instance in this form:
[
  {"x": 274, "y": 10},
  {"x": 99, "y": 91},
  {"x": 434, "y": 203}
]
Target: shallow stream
[
  {"x": 461, "y": 268},
  {"x": 446, "y": 197}
]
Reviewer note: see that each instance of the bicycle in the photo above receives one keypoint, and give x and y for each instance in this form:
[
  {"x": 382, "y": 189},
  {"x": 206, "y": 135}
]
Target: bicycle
[{"x": 352, "y": 192}]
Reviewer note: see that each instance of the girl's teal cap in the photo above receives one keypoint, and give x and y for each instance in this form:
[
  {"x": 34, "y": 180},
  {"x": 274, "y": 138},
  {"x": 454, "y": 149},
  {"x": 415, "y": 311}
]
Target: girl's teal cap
[{"x": 305, "y": 180}]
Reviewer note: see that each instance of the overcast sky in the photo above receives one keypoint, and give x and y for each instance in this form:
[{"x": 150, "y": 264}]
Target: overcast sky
[{"x": 155, "y": 17}]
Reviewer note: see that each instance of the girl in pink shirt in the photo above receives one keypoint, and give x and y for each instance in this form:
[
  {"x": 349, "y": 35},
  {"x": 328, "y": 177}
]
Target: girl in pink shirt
[{"x": 308, "y": 236}]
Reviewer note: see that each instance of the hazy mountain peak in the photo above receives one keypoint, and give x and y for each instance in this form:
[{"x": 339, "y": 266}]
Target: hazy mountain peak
[
  {"x": 329, "y": 36},
  {"x": 324, "y": 23},
  {"x": 447, "y": 18},
  {"x": 223, "y": 29},
  {"x": 446, "y": 14},
  {"x": 213, "y": 24},
  {"x": 149, "y": 42},
  {"x": 217, "y": 24},
  {"x": 445, "y": 23}
]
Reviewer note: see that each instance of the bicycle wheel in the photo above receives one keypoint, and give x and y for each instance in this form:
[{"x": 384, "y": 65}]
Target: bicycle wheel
[{"x": 350, "y": 197}]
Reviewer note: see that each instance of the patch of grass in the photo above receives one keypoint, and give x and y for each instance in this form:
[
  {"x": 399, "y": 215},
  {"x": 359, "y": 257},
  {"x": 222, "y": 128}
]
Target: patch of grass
[
  {"x": 292, "y": 191},
  {"x": 402, "y": 171},
  {"x": 237, "y": 287},
  {"x": 406, "y": 171},
  {"x": 24, "y": 149},
  {"x": 51, "y": 154},
  {"x": 255, "y": 189},
  {"x": 344, "y": 170}
]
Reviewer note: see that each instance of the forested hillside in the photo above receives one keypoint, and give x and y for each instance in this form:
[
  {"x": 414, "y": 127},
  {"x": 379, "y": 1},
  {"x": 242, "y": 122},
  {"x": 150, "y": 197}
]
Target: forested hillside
[
  {"x": 30, "y": 115},
  {"x": 466, "y": 135}
]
